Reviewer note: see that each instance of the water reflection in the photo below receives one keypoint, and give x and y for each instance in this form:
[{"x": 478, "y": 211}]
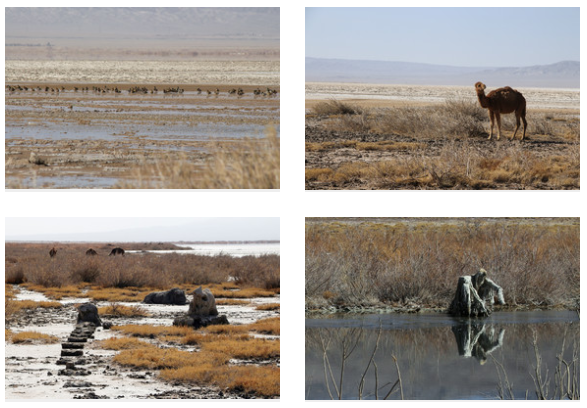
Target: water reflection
[
  {"x": 476, "y": 339},
  {"x": 414, "y": 357}
]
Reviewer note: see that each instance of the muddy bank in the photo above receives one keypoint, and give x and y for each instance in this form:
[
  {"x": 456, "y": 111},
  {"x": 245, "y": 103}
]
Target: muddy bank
[
  {"x": 95, "y": 135},
  {"x": 32, "y": 371}
]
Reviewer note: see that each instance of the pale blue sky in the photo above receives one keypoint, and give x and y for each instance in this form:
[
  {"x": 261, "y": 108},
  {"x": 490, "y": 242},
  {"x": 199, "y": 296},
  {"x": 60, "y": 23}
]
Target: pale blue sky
[
  {"x": 473, "y": 37},
  {"x": 136, "y": 229}
]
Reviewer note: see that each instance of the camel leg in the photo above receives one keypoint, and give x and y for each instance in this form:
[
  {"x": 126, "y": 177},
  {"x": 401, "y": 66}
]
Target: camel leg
[
  {"x": 492, "y": 119},
  {"x": 498, "y": 118},
  {"x": 525, "y": 123},
  {"x": 517, "y": 126}
]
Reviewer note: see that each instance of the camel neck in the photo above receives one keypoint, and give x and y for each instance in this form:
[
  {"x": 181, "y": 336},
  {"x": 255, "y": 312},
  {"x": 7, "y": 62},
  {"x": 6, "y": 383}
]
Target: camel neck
[{"x": 482, "y": 99}]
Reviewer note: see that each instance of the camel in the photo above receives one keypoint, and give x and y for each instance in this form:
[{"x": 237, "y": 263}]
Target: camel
[
  {"x": 117, "y": 251},
  {"x": 52, "y": 252},
  {"x": 502, "y": 100}
]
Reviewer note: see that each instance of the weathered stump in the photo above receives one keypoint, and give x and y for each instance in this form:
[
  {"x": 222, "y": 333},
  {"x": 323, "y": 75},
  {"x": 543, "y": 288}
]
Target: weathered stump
[
  {"x": 202, "y": 311},
  {"x": 475, "y": 295}
]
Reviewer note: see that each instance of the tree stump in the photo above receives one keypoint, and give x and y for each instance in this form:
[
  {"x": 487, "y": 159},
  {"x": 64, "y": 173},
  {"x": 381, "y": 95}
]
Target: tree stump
[{"x": 475, "y": 296}]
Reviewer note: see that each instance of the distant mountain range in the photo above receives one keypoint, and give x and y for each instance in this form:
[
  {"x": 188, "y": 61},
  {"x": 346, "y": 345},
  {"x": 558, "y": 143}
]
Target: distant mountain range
[{"x": 563, "y": 74}]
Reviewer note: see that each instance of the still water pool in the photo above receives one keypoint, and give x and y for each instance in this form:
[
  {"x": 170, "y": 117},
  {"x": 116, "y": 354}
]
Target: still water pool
[{"x": 438, "y": 356}]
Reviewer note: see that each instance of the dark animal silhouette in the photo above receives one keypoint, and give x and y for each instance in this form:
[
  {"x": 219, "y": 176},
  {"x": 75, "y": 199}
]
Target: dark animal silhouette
[
  {"x": 52, "y": 252},
  {"x": 91, "y": 251},
  {"x": 502, "y": 100},
  {"x": 117, "y": 251}
]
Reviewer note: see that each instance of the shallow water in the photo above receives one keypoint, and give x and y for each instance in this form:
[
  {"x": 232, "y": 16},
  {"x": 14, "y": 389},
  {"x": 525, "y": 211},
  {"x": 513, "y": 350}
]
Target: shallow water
[
  {"x": 439, "y": 357},
  {"x": 236, "y": 250}
]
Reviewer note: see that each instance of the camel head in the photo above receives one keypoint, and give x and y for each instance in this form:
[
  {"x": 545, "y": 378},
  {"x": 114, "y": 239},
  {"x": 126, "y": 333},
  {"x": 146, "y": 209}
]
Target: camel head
[{"x": 480, "y": 87}]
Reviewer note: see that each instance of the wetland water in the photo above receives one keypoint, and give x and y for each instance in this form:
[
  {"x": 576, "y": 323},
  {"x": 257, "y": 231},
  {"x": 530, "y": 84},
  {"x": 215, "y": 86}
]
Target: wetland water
[{"x": 439, "y": 357}]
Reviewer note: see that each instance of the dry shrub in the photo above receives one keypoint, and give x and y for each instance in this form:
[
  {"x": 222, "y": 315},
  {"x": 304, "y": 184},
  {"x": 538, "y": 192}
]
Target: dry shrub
[
  {"x": 334, "y": 107},
  {"x": 32, "y": 337},
  {"x": 130, "y": 278},
  {"x": 535, "y": 263},
  {"x": 318, "y": 174}
]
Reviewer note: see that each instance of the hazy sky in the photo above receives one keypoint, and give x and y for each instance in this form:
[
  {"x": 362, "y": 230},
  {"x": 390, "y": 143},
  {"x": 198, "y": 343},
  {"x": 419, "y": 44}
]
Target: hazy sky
[
  {"x": 474, "y": 37},
  {"x": 142, "y": 229}
]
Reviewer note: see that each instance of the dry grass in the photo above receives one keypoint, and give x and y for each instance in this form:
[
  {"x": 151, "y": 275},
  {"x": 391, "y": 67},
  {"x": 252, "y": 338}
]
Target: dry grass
[
  {"x": 445, "y": 149},
  {"x": 270, "y": 326},
  {"x": 31, "y": 337},
  {"x": 268, "y": 306},
  {"x": 247, "y": 164},
  {"x": 232, "y": 302},
  {"x": 140, "y": 330},
  {"x": 260, "y": 381},
  {"x": 536, "y": 263},
  {"x": 245, "y": 293},
  {"x": 124, "y": 343},
  {"x": 129, "y": 294},
  {"x": 157, "y": 358},
  {"x": 55, "y": 292},
  {"x": 31, "y": 304},
  {"x": 244, "y": 349},
  {"x": 117, "y": 310}
]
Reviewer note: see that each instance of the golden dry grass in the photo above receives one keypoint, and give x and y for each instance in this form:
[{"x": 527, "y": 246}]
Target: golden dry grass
[
  {"x": 247, "y": 164},
  {"x": 32, "y": 337},
  {"x": 124, "y": 343},
  {"x": 270, "y": 325},
  {"x": 244, "y": 349},
  {"x": 56, "y": 292},
  {"x": 268, "y": 306},
  {"x": 118, "y": 310},
  {"x": 243, "y": 293},
  {"x": 157, "y": 358},
  {"x": 129, "y": 294},
  {"x": 232, "y": 302},
  {"x": 31, "y": 304},
  {"x": 261, "y": 381},
  {"x": 140, "y": 330}
]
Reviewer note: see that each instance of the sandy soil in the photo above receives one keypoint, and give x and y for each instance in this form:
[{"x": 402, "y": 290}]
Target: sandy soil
[
  {"x": 32, "y": 373},
  {"x": 543, "y": 146},
  {"x": 75, "y": 139}
]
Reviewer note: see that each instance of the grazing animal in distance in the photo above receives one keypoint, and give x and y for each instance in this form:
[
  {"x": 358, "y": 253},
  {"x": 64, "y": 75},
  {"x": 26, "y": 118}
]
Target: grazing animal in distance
[
  {"x": 52, "y": 252},
  {"x": 117, "y": 251},
  {"x": 503, "y": 100},
  {"x": 91, "y": 252}
]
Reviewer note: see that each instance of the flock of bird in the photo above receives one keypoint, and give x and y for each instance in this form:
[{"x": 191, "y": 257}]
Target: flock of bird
[{"x": 136, "y": 90}]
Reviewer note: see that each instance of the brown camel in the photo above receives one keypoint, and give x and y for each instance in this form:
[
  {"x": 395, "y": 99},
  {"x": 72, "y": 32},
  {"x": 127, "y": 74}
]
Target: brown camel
[{"x": 502, "y": 100}]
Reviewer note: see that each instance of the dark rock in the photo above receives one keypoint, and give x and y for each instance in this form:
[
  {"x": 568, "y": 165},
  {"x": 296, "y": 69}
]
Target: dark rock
[
  {"x": 199, "y": 321},
  {"x": 173, "y": 296},
  {"x": 106, "y": 325},
  {"x": 79, "y": 384},
  {"x": 70, "y": 372},
  {"x": 87, "y": 312},
  {"x": 72, "y": 345},
  {"x": 71, "y": 353},
  {"x": 90, "y": 395},
  {"x": 77, "y": 339}
]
